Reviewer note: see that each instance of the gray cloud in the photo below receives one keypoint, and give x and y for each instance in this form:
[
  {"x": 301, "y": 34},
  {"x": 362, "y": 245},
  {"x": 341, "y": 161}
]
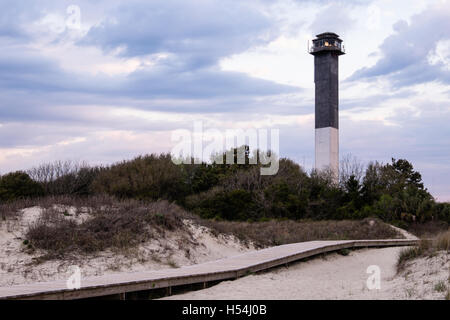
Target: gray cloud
[
  {"x": 206, "y": 83},
  {"x": 41, "y": 104},
  {"x": 32, "y": 86},
  {"x": 405, "y": 53},
  {"x": 334, "y": 18},
  {"x": 199, "y": 32},
  {"x": 13, "y": 16},
  {"x": 195, "y": 35}
]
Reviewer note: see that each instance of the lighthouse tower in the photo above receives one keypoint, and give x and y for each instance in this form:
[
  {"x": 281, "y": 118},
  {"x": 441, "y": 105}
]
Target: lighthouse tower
[{"x": 326, "y": 49}]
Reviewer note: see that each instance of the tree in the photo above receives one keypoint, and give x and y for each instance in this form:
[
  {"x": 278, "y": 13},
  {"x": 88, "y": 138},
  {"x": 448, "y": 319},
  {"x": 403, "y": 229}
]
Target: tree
[
  {"x": 406, "y": 174},
  {"x": 149, "y": 177},
  {"x": 353, "y": 191},
  {"x": 18, "y": 185},
  {"x": 65, "y": 177}
]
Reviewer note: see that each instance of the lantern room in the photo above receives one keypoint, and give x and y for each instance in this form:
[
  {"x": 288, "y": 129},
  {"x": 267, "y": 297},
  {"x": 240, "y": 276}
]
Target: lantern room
[{"x": 327, "y": 41}]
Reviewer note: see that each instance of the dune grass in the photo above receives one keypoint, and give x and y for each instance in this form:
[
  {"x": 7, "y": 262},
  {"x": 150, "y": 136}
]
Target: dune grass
[
  {"x": 116, "y": 225},
  {"x": 428, "y": 247},
  {"x": 123, "y": 224},
  {"x": 278, "y": 232}
]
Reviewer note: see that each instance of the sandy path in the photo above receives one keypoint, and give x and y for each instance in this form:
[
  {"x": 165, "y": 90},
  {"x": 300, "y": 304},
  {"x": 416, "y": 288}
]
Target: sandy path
[{"x": 331, "y": 277}]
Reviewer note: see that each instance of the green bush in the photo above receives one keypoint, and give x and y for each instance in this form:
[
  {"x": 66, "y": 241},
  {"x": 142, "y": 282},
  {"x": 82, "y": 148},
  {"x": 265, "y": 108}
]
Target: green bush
[
  {"x": 18, "y": 185},
  {"x": 228, "y": 205},
  {"x": 285, "y": 202},
  {"x": 150, "y": 177},
  {"x": 442, "y": 212},
  {"x": 391, "y": 192}
]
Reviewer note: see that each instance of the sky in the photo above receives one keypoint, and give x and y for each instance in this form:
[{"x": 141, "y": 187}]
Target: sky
[{"x": 109, "y": 80}]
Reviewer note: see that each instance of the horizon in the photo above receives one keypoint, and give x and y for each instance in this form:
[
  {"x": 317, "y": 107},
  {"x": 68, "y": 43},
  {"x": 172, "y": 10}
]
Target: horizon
[{"x": 110, "y": 81}]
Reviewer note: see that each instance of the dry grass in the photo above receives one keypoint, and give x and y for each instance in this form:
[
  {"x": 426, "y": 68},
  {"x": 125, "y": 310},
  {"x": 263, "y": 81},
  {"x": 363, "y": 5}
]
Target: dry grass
[
  {"x": 116, "y": 225},
  {"x": 122, "y": 225},
  {"x": 274, "y": 232},
  {"x": 425, "y": 248},
  {"x": 10, "y": 210},
  {"x": 440, "y": 286},
  {"x": 442, "y": 241},
  {"x": 428, "y": 229}
]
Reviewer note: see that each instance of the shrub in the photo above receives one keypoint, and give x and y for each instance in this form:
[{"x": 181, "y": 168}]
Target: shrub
[
  {"x": 65, "y": 178},
  {"x": 222, "y": 204},
  {"x": 393, "y": 192},
  {"x": 425, "y": 248},
  {"x": 18, "y": 185},
  {"x": 442, "y": 241},
  {"x": 428, "y": 229},
  {"x": 278, "y": 232},
  {"x": 440, "y": 286},
  {"x": 284, "y": 202},
  {"x": 122, "y": 225},
  {"x": 408, "y": 254},
  {"x": 150, "y": 177},
  {"x": 442, "y": 211},
  {"x": 244, "y": 194}
]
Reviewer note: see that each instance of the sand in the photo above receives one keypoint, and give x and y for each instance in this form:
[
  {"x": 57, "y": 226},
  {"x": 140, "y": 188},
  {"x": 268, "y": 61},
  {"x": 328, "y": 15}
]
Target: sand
[
  {"x": 332, "y": 276},
  {"x": 17, "y": 266},
  {"x": 405, "y": 233},
  {"x": 335, "y": 276}
]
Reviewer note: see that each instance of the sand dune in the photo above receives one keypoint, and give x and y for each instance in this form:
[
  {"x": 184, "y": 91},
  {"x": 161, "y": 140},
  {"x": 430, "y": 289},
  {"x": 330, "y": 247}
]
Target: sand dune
[
  {"x": 338, "y": 277},
  {"x": 18, "y": 266},
  {"x": 329, "y": 277}
]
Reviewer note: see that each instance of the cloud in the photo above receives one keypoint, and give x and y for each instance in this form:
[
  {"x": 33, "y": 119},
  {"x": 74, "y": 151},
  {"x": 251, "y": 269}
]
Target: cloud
[
  {"x": 167, "y": 81},
  {"x": 201, "y": 31},
  {"x": 333, "y": 18},
  {"x": 406, "y": 53},
  {"x": 168, "y": 56},
  {"x": 13, "y": 16},
  {"x": 420, "y": 137},
  {"x": 32, "y": 87},
  {"x": 190, "y": 36}
]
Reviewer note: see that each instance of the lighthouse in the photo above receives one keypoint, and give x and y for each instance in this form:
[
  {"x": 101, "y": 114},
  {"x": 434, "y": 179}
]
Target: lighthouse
[{"x": 326, "y": 49}]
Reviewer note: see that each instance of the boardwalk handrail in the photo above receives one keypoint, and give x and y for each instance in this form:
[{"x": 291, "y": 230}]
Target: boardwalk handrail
[{"x": 218, "y": 270}]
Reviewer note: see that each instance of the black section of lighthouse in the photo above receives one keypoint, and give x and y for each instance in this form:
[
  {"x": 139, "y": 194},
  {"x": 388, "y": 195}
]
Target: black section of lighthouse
[{"x": 326, "y": 49}]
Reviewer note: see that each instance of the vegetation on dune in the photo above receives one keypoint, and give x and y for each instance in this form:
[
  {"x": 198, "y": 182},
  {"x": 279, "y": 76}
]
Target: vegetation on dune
[
  {"x": 110, "y": 223},
  {"x": 392, "y": 192},
  {"x": 137, "y": 200},
  {"x": 276, "y": 232},
  {"x": 437, "y": 247},
  {"x": 146, "y": 198},
  {"x": 427, "y": 247},
  {"x": 18, "y": 185},
  {"x": 65, "y": 178}
]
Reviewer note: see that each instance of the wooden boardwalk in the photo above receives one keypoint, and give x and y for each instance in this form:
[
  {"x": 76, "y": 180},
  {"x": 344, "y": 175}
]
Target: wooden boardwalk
[{"x": 123, "y": 284}]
